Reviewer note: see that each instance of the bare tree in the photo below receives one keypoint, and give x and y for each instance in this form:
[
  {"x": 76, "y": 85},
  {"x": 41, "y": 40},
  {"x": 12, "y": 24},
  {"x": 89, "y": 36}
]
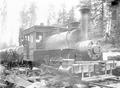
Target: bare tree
[
  {"x": 3, "y": 15},
  {"x": 24, "y": 18},
  {"x": 28, "y": 17},
  {"x": 32, "y": 14},
  {"x": 65, "y": 18},
  {"x": 71, "y": 16},
  {"x": 21, "y": 37},
  {"x": 51, "y": 15},
  {"x": 62, "y": 16}
]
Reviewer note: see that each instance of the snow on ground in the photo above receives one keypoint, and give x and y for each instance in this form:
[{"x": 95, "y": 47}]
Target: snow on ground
[
  {"x": 106, "y": 54},
  {"x": 115, "y": 85}
]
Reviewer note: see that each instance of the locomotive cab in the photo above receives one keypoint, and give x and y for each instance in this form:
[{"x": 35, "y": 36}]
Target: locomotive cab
[{"x": 34, "y": 39}]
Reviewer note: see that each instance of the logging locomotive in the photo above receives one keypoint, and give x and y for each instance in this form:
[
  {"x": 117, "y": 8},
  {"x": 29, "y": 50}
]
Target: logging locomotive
[
  {"x": 45, "y": 44},
  {"x": 48, "y": 44},
  {"x": 72, "y": 47}
]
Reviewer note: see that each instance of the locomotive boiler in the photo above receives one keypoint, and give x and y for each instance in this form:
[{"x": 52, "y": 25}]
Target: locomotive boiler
[{"x": 69, "y": 38}]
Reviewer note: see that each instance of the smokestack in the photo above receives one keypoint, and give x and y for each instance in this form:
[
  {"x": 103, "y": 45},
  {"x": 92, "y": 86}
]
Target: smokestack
[{"x": 84, "y": 11}]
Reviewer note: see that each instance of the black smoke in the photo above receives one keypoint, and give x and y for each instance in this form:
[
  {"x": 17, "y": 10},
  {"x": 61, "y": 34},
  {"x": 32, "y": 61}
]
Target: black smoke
[{"x": 115, "y": 2}]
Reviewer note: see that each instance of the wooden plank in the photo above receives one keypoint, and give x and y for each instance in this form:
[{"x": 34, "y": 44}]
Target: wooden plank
[
  {"x": 101, "y": 77},
  {"x": 115, "y": 85},
  {"x": 101, "y": 85},
  {"x": 18, "y": 80},
  {"x": 2, "y": 85}
]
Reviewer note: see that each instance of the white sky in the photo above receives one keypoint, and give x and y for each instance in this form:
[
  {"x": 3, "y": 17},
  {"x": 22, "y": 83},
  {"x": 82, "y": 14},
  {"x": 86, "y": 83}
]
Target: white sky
[{"x": 15, "y": 6}]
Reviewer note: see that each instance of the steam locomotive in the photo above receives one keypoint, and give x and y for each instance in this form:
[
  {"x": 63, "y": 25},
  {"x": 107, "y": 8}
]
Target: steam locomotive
[{"x": 72, "y": 44}]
